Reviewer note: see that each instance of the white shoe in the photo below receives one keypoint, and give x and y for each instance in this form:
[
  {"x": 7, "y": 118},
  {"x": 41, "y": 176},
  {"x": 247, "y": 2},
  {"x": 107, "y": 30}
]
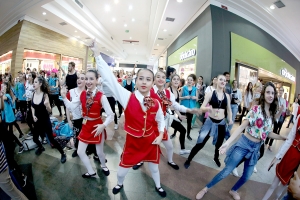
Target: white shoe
[
  {"x": 184, "y": 151},
  {"x": 104, "y": 114},
  {"x": 116, "y": 126},
  {"x": 235, "y": 172},
  {"x": 254, "y": 170}
]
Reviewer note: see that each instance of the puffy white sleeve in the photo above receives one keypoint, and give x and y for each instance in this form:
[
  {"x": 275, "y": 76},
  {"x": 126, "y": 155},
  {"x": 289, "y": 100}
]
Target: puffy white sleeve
[
  {"x": 108, "y": 111},
  {"x": 160, "y": 119},
  {"x": 121, "y": 94},
  {"x": 71, "y": 105},
  {"x": 176, "y": 105},
  {"x": 287, "y": 144}
]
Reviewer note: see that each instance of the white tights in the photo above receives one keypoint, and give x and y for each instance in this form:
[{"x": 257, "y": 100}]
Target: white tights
[
  {"x": 275, "y": 185},
  {"x": 85, "y": 159},
  {"x": 152, "y": 167},
  {"x": 169, "y": 149}
]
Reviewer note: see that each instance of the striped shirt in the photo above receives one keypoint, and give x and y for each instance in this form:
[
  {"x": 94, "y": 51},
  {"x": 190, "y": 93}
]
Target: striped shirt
[{"x": 3, "y": 163}]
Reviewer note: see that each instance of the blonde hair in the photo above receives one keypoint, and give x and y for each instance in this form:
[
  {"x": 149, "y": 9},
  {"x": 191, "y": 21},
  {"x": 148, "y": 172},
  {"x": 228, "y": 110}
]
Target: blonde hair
[{"x": 257, "y": 85}]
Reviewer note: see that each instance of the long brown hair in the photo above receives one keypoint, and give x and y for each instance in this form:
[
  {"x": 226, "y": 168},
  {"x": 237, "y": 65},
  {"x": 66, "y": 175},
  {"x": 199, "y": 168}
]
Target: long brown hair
[
  {"x": 44, "y": 86},
  {"x": 273, "y": 106}
]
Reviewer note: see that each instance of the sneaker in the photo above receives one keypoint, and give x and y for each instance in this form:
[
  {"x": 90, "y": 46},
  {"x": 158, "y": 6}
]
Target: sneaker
[
  {"x": 45, "y": 141},
  {"x": 21, "y": 149},
  {"x": 74, "y": 154},
  {"x": 187, "y": 164},
  {"x": 217, "y": 162},
  {"x": 234, "y": 195},
  {"x": 255, "y": 170},
  {"x": 116, "y": 126},
  {"x": 104, "y": 114},
  {"x": 184, "y": 151},
  {"x": 235, "y": 172},
  {"x": 189, "y": 137},
  {"x": 63, "y": 158},
  {"x": 39, "y": 151},
  {"x": 172, "y": 136}
]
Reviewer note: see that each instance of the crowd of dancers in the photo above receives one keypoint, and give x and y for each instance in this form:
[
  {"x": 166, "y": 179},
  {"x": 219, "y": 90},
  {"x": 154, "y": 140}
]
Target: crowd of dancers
[{"x": 148, "y": 105}]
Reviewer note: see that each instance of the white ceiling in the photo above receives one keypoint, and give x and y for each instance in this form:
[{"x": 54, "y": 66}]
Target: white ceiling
[{"x": 94, "y": 21}]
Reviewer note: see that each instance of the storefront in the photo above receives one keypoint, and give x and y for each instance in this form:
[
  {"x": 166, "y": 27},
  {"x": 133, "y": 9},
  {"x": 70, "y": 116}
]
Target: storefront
[
  {"x": 65, "y": 60},
  {"x": 184, "y": 59},
  {"x": 5, "y": 62},
  {"x": 251, "y": 63}
]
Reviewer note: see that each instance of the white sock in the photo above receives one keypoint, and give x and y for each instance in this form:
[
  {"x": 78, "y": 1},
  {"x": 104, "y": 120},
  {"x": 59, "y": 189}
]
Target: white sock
[{"x": 84, "y": 158}]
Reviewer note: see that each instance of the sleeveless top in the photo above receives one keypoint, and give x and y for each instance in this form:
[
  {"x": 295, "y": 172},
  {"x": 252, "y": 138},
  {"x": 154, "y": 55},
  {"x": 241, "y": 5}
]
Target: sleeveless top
[
  {"x": 177, "y": 99},
  {"x": 40, "y": 109},
  {"x": 71, "y": 81},
  {"x": 216, "y": 103}
]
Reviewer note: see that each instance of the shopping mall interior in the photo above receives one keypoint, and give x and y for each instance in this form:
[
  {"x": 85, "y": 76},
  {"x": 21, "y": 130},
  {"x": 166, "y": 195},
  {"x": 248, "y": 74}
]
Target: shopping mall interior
[{"x": 253, "y": 40}]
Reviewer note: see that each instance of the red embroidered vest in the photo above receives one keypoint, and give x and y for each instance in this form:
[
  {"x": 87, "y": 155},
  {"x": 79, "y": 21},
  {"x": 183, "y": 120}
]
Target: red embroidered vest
[
  {"x": 95, "y": 109},
  {"x": 139, "y": 123},
  {"x": 155, "y": 96}
]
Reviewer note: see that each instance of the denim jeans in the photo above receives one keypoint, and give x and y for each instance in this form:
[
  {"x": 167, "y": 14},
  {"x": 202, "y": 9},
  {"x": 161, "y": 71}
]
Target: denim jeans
[
  {"x": 233, "y": 160},
  {"x": 234, "y": 110},
  {"x": 288, "y": 196}
]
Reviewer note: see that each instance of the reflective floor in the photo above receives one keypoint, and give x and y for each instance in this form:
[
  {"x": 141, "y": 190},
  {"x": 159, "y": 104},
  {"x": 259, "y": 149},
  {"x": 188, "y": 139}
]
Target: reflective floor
[{"x": 55, "y": 181}]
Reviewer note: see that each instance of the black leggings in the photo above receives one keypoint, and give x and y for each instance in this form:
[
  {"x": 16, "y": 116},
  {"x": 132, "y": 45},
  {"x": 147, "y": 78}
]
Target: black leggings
[
  {"x": 189, "y": 118},
  {"x": 11, "y": 132},
  {"x": 199, "y": 146},
  {"x": 23, "y": 109},
  {"x": 112, "y": 103},
  {"x": 120, "y": 108},
  {"x": 291, "y": 120},
  {"x": 77, "y": 125},
  {"x": 54, "y": 99},
  {"x": 29, "y": 118},
  {"x": 245, "y": 111},
  {"x": 179, "y": 127},
  {"x": 262, "y": 152},
  {"x": 44, "y": 125}
]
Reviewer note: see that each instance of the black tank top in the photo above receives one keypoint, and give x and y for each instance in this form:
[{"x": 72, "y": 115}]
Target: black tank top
[
  {"x": 216, "y": 103},
  {"x": 40, "y": 109},
  {"x": 129, "y": 87},
  {"x": 71, "y": 81},
  {"x": 177, "y": 99}
]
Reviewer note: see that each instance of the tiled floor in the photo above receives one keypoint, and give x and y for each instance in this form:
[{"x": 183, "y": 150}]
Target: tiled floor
[{"x": 55, "y": 181}]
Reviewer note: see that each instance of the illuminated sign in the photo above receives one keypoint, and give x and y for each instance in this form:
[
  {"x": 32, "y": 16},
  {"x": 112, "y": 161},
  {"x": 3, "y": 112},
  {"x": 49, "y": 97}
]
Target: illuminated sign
[
  {"x": 287, "y": 74},
  {"x": 187, "y": 54}
]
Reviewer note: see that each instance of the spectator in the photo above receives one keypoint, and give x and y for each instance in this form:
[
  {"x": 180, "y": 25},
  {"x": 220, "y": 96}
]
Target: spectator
[{"x": 228, "y": 88}]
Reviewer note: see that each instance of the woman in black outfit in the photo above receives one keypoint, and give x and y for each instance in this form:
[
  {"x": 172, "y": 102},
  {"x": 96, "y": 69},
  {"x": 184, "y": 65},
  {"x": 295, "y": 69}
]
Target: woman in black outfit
[
  {"x": 176, "y": 123},
  {"x": 41, "y": 108}
]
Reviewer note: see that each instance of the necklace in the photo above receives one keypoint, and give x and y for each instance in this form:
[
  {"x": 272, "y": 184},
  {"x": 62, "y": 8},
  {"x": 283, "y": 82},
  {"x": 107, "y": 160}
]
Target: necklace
[{"x": 219, "y": 104}]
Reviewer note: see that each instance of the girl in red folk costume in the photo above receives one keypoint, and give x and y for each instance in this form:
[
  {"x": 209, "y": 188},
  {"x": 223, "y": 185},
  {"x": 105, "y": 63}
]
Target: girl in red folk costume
[
  {"x": 93, "y": 128},
  {"x": 166, "y": 99},
  {"x": 142, "y": 115},
  {"x": 289, "y": 160}
]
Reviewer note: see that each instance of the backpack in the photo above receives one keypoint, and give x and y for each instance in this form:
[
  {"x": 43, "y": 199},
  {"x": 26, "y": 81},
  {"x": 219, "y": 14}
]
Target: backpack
[
  {"x": 29, "y": 144},
  {"x": 62, "y": 129}
]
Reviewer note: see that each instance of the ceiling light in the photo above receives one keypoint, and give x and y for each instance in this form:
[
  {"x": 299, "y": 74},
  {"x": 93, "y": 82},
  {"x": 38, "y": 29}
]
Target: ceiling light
[
  {"x": 75, "y": 31},
  {"x": 165, "y": 30},
  {"x": 44, "y": 13},
  {"x": 157, "y": 45},
  {"x": 125, "y": 25},
  {"x": 133, "y": 19},
  {"x": 130, "y": 7},
  {"x": 113, "y": 19},
  {"x": 272, "y": 7},
  {"x": 107, "y": 8},
  {"x": 179, "y": 1},
  {"x": 130, "y": 37},
  {"x": 116, "y": 1}
]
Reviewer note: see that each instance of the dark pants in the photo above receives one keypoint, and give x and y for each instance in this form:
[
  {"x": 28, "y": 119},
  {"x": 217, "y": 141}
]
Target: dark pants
[
  {"x": 77, "y": 125},
  {"x": 244, "y": 112},
  {"x": 291, "y": 120},
  {"x": 54, "y": 99},
  {"x": 189, "y": 118},
  {"x": 29, "y": 118},
  {"x": 276, "y": 129},
  {"x": 199, "y": 146},
  {"x": 41, "y": 126},
  {"x": 179, "y": 127},
  {"x": 11, "y": 133},
  {"x": 120, "y": 108},
  {"x": 23, "y": 109},
  {"x": 112, "y": 103}
]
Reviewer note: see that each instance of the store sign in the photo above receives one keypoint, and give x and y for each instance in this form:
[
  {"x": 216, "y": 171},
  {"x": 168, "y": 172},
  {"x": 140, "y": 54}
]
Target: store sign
[
  {"x": 187, "y": 54},
  {"x": 287, "y": 74}
]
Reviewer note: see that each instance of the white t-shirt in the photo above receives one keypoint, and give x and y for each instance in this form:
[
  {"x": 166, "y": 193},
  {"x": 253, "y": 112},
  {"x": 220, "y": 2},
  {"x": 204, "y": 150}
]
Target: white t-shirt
[
  {"x": 209, "y": 89},
  {"x": 75, "y": 99},
  {"x": 295, "y": 109},
  {"x": 29, "y": 91}
]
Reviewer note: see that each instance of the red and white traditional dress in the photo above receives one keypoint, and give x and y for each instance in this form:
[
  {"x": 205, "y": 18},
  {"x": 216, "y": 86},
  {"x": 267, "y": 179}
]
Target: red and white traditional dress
[
  {"x": 140, "y": 121},
  {"x": 165, "y": 104},
  {"x": 92, "y": 116}
]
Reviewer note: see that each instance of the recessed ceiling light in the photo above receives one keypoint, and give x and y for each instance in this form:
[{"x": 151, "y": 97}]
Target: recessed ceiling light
[
  {"x": 179, "y": 1},
  {"x": 113, "y": 19},
  {"x": 272, "y": 7},
  {"x": 75, "y": 31},
  {"x": 157, "y": 45},
  {"x": 130, "y": 37},
  {"x": 132, "y": 44},
  {"x": 116, "y": 1},
  {"x": 106, "y": 50},
  {"x": 130, "y": 7},
  {"x": 165, "y": 30},
  {"x": 125, "y": 25},
  {"x": 44, "y": 13},
  {"x": 107, "y": 8},
  {"x": 133, "y": 19}
]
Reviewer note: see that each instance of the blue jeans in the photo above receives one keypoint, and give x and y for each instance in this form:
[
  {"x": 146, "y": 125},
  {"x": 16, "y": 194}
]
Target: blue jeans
[
  {"x": 234, "y": 109},
  {"x": 236, "y": 156}
]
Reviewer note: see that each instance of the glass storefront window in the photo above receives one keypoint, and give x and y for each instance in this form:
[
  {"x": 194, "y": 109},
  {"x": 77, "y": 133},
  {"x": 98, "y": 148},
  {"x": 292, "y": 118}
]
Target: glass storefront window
[{"x": 5, "y": 62}]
